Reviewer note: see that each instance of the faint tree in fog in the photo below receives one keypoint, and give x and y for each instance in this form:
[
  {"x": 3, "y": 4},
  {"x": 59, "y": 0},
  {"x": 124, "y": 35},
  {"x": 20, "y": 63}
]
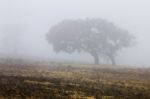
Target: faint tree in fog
[
  {"x": 97, "y": 37},
  {"x": 12, "y": 33}
]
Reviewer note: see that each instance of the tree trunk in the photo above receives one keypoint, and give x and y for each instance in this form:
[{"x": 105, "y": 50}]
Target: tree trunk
[
  {"x": 112, "y": 60},
  {"x": 96, "y": 58}
]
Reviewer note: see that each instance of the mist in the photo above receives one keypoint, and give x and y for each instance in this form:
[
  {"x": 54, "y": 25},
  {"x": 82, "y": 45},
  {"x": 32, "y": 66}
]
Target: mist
[{"x": 37, "y": 17}]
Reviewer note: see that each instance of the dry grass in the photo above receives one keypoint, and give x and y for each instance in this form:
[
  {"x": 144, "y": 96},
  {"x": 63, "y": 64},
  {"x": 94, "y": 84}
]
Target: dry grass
[{"x": 59, "y": 81}]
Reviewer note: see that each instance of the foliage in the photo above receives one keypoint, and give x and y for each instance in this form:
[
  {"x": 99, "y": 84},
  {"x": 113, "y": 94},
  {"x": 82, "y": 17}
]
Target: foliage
[{"x": 97, "y": 37}]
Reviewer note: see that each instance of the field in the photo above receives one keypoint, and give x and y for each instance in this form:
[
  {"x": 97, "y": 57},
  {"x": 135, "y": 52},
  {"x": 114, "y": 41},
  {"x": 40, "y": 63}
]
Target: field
[{"x": 21, "y": 80}]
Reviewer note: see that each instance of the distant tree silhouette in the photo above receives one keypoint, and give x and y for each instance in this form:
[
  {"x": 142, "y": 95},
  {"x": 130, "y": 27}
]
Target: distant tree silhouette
[
  {"x": 98, "y": 37},
  {"x": 12, "y": 33}
]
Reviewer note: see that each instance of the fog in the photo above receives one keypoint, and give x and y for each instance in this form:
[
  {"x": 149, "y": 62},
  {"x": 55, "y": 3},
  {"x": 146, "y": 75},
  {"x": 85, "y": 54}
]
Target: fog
[{"x": 37, "y": 16}]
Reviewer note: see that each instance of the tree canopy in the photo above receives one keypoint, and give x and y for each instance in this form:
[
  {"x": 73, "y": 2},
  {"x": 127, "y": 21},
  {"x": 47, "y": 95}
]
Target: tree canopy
[{"x": 98, "y": 37}]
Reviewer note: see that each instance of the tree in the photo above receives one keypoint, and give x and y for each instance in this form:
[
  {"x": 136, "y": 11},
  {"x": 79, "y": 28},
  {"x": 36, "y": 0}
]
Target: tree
[
  {"x": 97, "y": 37},
  {"x": 12, "y": 33}
]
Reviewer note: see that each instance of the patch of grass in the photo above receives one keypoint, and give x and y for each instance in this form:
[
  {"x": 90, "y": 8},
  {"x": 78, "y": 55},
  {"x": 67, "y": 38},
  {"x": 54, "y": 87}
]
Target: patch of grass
[{"x": 63, "y": 82}]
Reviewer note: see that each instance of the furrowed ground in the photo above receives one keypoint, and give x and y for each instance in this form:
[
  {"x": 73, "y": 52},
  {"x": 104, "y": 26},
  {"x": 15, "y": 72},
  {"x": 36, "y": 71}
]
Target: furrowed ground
[{"x": 62, "y": 81}]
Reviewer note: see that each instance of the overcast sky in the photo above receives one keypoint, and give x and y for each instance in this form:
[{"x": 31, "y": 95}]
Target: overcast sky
[{"x": 40, "y": 15}]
